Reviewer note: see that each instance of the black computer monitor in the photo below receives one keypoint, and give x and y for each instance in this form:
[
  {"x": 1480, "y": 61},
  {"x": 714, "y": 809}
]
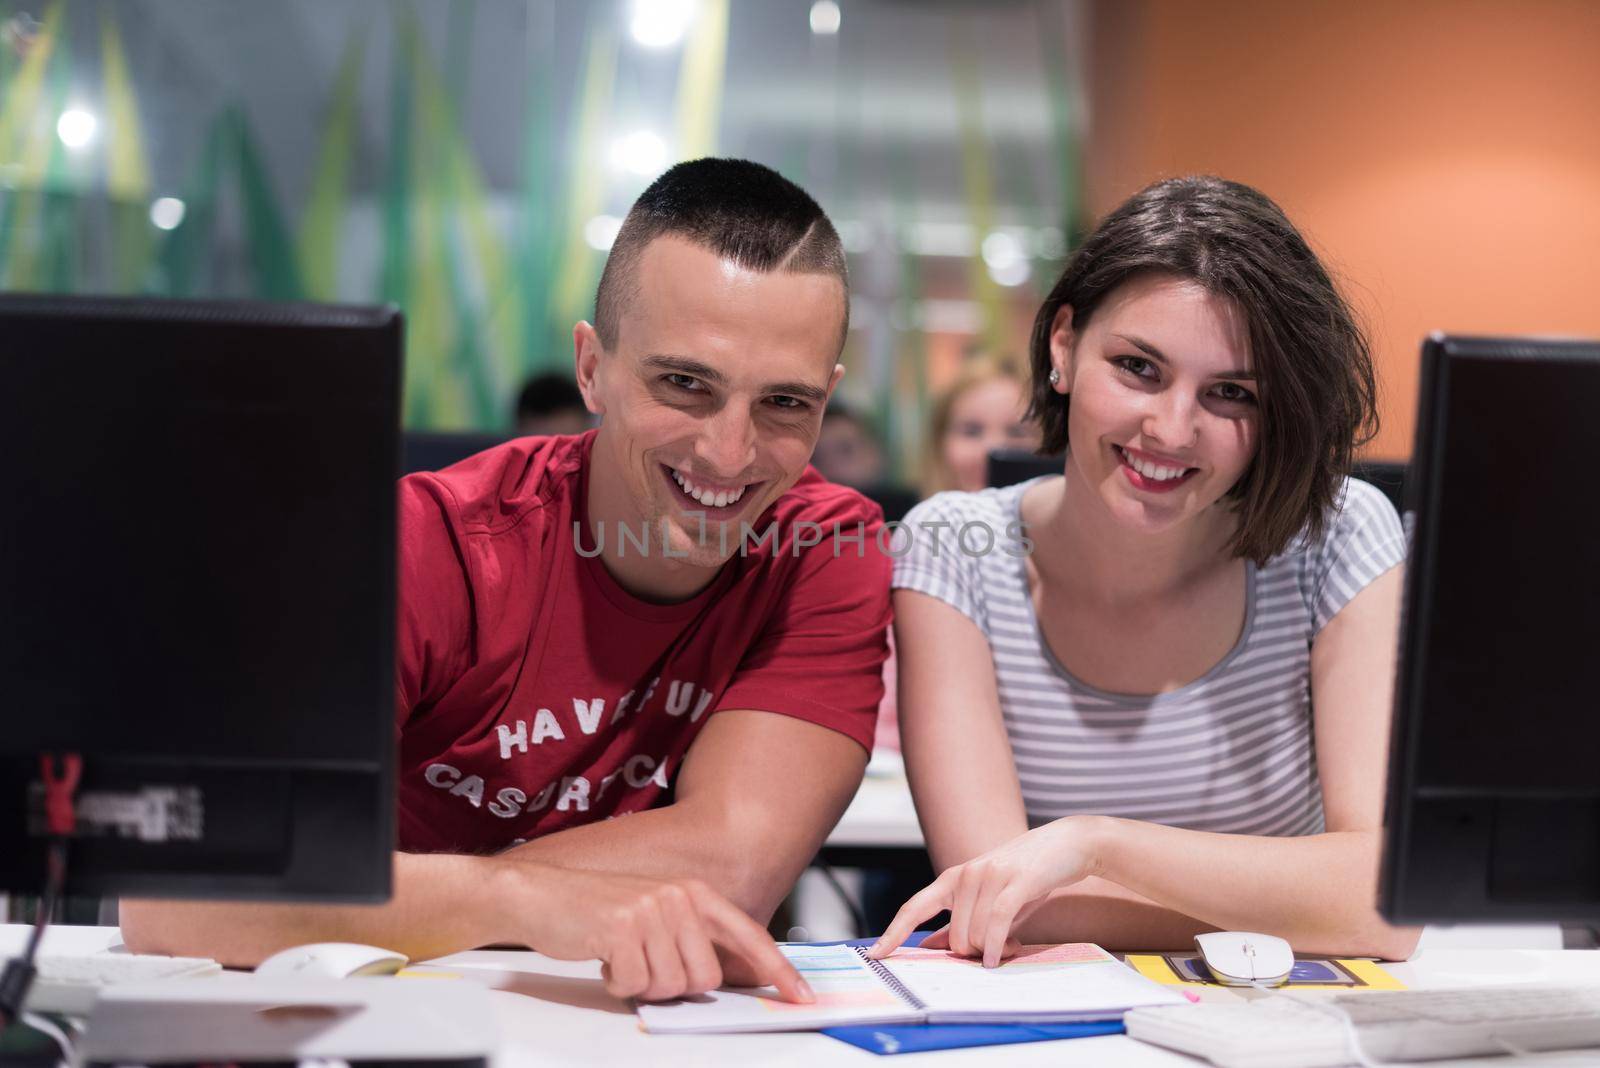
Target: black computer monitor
[
  {"x": 422, "y": 450},
  {"x": 1388, "y": 476},
  {"x": 1494, "y": 780},
  {"x": 1007, "y": 467},
  {"x": 197, "y": 583}
]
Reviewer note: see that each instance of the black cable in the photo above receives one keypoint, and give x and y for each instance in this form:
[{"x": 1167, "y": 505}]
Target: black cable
[
  {"x": 60, "y": 783},
  {"x": 18, "y": 974}
]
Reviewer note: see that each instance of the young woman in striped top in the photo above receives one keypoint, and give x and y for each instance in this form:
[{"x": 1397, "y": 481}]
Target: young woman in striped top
[{"x": 1150, "y": 697}]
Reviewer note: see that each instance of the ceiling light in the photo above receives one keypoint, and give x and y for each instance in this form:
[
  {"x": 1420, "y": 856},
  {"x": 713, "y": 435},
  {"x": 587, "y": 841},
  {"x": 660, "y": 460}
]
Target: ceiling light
[
  {"x": 166, "y": 213},
  {"x": 76, "y": 127},
  {"x": 1011, "y": 274},
  {"x": 661, "y": 23},
  {"x": 1006, "y": 257},
  {"x": 600, "y": 232},
  {"x": 1001, "y": 249},
  {"x": 825, "y": 18},
  {"x": 641, "y": 153}
]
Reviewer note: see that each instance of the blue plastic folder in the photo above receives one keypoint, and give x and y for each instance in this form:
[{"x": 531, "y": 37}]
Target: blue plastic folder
[
  {"x": 922, "y": 1038},
  {"x": 925, "y": 1038}
]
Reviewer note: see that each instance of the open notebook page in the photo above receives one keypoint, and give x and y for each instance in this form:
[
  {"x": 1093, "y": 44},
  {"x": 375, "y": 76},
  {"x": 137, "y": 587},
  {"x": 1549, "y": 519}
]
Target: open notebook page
[
  {"x": 1042, "y": 983},
  {"x": 1072, "y": 982}
]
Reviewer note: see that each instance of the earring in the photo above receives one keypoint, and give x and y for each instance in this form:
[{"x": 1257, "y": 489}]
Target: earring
[{"x": 1055, "y": 377}]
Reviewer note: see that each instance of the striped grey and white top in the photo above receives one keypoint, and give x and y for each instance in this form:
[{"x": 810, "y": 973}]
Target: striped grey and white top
[{"x": 1230, "y": 751}]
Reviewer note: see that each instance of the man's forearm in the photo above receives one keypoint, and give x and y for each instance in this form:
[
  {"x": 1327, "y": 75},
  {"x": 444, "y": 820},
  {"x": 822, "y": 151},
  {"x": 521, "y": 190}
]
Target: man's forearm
[
  {"x": 755, "y": 796},
  {"x": 679, "y": 841},
  {"x": 441, "y": 904},
  {"x": 445, "y": 903}
]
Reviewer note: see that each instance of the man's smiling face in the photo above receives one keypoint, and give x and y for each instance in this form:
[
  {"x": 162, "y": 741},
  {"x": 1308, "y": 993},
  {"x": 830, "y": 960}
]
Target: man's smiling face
[{"x": 711, "y": 398}]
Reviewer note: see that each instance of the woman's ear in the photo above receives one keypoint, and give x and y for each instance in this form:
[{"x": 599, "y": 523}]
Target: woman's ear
[{"x": 1062, "y": 339}]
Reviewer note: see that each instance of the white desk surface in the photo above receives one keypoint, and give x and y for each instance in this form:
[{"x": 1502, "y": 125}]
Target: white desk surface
[
  {"x": 558, "y": 1013},
  {"x": 881, "y": 814}
]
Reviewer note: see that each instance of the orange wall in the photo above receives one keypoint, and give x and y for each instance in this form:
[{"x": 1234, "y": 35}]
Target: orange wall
[{"x": 1442, "y": 155}]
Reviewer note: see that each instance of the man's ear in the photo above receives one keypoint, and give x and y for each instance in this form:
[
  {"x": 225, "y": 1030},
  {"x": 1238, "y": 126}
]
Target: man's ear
[
  {"x": 833, "y": 380},
  {"x": 1062, "y": 338},
  {"x": 586, "y": 354}
]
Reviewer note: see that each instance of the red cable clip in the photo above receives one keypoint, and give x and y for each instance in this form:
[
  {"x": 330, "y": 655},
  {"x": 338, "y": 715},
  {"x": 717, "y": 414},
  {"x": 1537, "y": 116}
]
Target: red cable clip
[{"x": 59, "y": 788}]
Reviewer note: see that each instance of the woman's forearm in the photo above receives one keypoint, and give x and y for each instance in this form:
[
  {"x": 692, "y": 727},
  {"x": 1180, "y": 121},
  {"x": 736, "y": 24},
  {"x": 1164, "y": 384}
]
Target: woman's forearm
[
  {"x": 1319, "y": 892},
  {"x": 1112, "y": 916}
]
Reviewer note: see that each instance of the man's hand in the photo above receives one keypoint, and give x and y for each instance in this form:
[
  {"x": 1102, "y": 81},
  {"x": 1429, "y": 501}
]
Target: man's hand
[
  {"x": 658, "y": 938},
  {"x": 989, "y": 895}
]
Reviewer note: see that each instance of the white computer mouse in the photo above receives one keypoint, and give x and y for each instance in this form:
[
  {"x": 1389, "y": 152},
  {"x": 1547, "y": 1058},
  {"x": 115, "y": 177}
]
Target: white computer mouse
[
  {"x": 1246, "y": 958},
  {"x": 331, "y": 960}
]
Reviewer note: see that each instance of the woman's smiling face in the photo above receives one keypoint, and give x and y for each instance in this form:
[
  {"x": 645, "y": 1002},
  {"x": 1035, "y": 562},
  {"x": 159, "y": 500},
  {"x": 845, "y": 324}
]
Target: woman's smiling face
[{"x": 1165, "y": 408}]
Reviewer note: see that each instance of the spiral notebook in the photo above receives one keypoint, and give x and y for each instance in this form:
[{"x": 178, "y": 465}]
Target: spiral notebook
[{"x": 1072, "y": 983}]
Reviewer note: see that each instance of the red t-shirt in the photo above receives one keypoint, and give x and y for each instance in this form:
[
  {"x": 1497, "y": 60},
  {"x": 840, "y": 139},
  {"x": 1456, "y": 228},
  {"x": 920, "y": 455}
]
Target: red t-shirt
[{"x": 535, "y": 694}]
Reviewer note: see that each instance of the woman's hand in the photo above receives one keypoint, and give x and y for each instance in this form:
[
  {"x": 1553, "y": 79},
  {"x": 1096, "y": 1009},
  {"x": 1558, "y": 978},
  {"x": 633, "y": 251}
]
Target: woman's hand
[{"x": 989, "y": 895}]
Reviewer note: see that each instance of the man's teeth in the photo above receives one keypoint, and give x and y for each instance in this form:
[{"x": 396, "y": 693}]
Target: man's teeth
[
  {"x": 1156, "y": 472},
  {"x": 706, "y": 497}
]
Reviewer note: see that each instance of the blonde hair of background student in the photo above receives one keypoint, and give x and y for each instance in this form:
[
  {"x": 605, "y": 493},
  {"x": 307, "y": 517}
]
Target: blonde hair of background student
[{"x": 984, "y": 408}]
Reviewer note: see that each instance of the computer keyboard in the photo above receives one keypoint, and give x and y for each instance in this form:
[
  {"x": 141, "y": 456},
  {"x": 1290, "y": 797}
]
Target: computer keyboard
[
  {"x": 70, "y": 985},
  {"x": 1308, "y": 1030}
]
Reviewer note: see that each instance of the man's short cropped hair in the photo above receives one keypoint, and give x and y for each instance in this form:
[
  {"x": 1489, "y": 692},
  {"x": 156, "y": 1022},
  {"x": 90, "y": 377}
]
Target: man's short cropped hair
[{"x": 739, "y": 210}]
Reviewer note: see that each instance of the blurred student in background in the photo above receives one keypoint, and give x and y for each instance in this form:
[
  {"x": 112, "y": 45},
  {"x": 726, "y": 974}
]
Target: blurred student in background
[
  {"x": 985, "y": 408},
  {"x": 551, "y": 404},
  {"x": 848, "y": 451}
]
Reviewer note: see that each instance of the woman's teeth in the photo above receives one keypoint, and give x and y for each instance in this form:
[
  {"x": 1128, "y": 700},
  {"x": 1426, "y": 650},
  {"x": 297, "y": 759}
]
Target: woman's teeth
[
  {"x": 1155, "y": 472},
  {"x": 706, "y": 497}
]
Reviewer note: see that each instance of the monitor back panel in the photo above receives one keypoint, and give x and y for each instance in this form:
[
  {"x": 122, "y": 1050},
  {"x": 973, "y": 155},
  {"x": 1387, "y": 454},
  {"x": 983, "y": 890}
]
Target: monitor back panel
[
  {"x": 1494, "y": 804},
  {"x": 197, "y": 584}
]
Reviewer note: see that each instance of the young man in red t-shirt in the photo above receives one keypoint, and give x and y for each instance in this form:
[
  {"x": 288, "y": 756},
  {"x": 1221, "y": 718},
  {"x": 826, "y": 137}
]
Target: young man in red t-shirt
[{"x": 670, "y": 619}]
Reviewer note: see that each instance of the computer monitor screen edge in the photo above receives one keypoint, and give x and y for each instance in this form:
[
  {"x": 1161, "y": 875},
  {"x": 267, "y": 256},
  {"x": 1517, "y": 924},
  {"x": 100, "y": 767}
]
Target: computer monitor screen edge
[
  {"x": 198, "y": 593},
  {"x": 1493, "y": 806}
]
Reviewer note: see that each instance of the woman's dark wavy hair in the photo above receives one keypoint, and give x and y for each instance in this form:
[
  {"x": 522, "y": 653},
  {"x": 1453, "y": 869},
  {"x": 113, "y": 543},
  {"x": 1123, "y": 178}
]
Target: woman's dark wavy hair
[{"x": 1317, "y": 396}]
